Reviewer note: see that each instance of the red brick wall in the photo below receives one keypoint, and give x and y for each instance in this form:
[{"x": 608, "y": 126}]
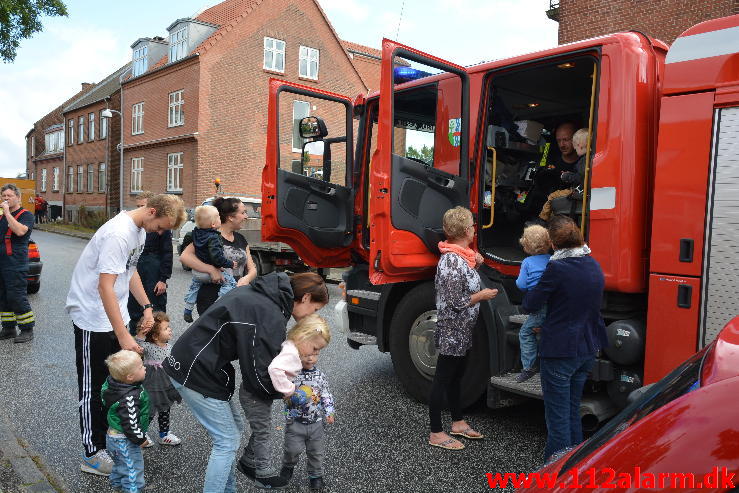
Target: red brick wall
[
  {"x": 662, "y": 19},
  {"x": 154, "y": 175}
]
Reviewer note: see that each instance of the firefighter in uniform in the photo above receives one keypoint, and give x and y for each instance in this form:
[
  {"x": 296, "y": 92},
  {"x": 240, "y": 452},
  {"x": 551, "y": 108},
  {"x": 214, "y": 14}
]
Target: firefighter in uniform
[{"x": 16, "y": 224}]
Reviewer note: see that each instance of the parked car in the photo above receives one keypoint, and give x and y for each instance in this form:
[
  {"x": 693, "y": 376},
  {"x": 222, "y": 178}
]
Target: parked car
[
  {"x": 683, "y": 427},
  {"x": 34, "y": 268}
]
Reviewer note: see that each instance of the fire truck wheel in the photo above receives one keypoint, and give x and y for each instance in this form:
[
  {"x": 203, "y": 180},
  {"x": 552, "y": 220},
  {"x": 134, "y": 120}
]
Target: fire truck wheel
[{"x": 414, "y": 353}]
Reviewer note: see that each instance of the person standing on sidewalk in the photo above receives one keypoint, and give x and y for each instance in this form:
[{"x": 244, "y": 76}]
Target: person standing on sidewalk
[
  {"x": 154, "y": 268},
  {"x": 16, "y": 224},
  {"x": 97, "y": 299}
]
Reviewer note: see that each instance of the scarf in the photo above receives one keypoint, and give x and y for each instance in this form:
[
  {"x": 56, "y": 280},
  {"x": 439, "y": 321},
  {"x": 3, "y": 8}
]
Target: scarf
[
  {"x": 570, "y": 252},
  {"x": 467, "y": 254}
]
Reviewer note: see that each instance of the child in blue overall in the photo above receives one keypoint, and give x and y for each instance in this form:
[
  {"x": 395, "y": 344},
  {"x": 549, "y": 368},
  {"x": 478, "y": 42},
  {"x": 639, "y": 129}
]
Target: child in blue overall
[
  {"x": 535, "y": 242},
  {"x": 208, "y": 245}
]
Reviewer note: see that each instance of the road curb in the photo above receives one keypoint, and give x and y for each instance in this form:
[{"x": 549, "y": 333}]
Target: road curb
[
  {"x": 60, "y": 231},
  {"x": 29, "y": 473}
]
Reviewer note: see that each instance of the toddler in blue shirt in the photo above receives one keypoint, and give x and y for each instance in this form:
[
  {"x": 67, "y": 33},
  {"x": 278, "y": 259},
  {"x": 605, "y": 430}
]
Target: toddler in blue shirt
[{"x": 535, "y": 242}]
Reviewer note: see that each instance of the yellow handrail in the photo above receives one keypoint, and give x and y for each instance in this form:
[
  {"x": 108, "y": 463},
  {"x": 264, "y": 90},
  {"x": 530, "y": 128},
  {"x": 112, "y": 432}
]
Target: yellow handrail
[
  {"x": 492, "y": 188},
  {"x": 586, "y": 181}
]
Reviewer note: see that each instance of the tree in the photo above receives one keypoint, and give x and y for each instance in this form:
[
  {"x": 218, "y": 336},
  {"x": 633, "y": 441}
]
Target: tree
[
  {"x": 426, "y": 154},
  {"x": 19, "y": 19}
]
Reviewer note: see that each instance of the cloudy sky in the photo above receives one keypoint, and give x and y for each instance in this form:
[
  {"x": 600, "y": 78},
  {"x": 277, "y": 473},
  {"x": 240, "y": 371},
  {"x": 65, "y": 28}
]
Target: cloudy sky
[{"x": 95, "y": 39}]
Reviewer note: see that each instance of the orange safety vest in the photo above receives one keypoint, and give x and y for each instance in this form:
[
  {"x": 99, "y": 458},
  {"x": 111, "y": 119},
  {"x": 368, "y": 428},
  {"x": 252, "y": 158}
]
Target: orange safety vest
[{"x": 9, "y": 232}]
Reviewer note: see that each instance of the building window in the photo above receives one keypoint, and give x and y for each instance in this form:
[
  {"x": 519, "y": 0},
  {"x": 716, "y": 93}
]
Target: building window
[
  {"x": 55, "y": 180},
  {"x": 54, "y": 142},
  {"x": 140, "y": 60},
  {"x": 90, "y": 178},
  {"x": 91, "y": 130},
  {"x": 71, "y": 132},
  {"x": 178, "y": 44},
  {"x": 301, "y": 109},
  {"x": 70, "y": 179},
  {"x": 308, "y": 67},
  {"x": 137, "y": 123},
  {"x": 274, "y": 54},
  {"x": 33, "y": 145},
  {"x": 137, "y": 169},
  {"x": 101, "y": 177},
  {"x": 81, "y": 136},
  {"x": 80, "y": 179},
  {"x": 174, "y": 172},
  {"x": 103, "y": 126},
  {"x": 43, "y": 179},
  {"x": 176, "y": 114}
]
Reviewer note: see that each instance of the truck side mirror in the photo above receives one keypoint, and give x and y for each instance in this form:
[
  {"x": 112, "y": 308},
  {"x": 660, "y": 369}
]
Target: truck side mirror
[{"x": 312, "y": 127}]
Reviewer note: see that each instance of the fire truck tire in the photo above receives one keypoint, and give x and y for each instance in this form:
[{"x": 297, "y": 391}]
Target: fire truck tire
[
  {"x": 262, "y": 266},
  {"x": 414, "y": 355}
]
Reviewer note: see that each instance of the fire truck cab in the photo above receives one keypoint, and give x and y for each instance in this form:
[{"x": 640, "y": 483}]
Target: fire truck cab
[{"x": 658, "y": 182}]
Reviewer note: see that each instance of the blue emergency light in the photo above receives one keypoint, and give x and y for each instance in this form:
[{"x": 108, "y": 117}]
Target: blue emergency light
[{"x": 407, "y": 74}]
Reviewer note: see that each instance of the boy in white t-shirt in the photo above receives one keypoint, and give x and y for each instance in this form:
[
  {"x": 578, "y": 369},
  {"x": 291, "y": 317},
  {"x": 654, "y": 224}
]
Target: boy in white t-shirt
[{"x": 97, "y": 303}]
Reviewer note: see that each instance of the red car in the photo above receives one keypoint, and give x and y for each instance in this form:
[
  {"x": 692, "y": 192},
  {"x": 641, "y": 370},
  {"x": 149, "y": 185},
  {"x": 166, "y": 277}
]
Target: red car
[
  {"x": 678, "y": 434},
  {"x": 34, "y": 268}
]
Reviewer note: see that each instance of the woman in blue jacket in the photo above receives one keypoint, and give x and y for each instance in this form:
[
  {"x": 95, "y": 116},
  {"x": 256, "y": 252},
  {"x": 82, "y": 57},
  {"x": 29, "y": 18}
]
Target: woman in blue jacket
[{"x": 572, "y": 333}]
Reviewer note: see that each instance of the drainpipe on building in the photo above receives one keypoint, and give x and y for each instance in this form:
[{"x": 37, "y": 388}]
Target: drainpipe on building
[{"x": 120, "y": 170}]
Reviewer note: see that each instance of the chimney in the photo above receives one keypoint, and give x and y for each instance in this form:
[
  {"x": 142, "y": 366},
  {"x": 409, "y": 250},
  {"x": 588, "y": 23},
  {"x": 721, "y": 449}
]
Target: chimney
[{"x": 86, "y": 86}]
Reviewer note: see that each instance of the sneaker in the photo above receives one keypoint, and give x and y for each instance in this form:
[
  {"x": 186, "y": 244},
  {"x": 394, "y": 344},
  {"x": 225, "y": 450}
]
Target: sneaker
[
  {"x": 147, "y": 443},
  {"x": 100, "y": 464},
  {"x": 248, "y": 471},
  {"x": 286, "y": 473},
  {"x": 271, "y": 483},
  {"x": 169, "y": 439},
  {"x": 24, "y": 336},
  {"x": 316, "y": 484},
  {"x": 525, "y": 375},
  {"x": 188, "y": 316}
]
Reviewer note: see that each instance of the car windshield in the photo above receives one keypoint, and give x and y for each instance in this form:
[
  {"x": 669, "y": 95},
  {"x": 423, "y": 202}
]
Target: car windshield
[
  {"x": 680, "y": 381},
  {"x": 252, "y": 208}
]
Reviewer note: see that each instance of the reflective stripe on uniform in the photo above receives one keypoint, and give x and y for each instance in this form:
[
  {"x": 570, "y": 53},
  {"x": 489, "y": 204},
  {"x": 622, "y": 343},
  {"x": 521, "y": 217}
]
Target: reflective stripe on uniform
[
  {"x": 7, "y": 316},
  {"x": 26, "y": 318}
]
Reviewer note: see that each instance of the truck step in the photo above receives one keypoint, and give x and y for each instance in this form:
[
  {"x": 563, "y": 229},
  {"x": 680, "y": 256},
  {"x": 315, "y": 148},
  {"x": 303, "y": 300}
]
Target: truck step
[
  {"x": 529, "y": 388},
  {"x": 518, "y": 319},
  {"x": 363, "y": 339}
]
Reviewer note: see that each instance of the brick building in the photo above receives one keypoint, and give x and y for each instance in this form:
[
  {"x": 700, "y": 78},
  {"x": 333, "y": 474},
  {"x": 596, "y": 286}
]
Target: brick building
[
  {"x": 662, "y": 19},
  {"x": 92, "y": 158},
  {"x": 45, "y": 155},
  {"x": 196, "y": 105}
]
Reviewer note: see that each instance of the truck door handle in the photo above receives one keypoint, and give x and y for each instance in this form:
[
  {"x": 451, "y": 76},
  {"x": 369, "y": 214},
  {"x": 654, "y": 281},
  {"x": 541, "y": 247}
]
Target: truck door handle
[
  {"x": 686, "y": 250},
  {"x": 323, "y": 189},
  {"x": 442, "y": 182},
  {"x": 684, "y": 295}
]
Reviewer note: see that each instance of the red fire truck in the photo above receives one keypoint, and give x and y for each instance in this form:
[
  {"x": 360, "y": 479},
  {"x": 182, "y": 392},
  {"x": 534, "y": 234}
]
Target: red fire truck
[{"x": 658, "y": 208}]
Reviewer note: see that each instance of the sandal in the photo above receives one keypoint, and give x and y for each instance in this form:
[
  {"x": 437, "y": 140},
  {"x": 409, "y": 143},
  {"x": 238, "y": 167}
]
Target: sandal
[
  {"x": 447, "y": 444},
  {"x": 468, "y": 433}
]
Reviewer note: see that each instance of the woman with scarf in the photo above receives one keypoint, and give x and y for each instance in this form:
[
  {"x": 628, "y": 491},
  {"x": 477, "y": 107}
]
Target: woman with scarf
[
  {"x": 458, "y": 295},
  {"x": 572, "y": 333}
]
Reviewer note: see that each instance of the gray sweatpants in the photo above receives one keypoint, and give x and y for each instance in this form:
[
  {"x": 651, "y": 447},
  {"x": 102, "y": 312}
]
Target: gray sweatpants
[
  {"x": 312, "y": 439},
  {"x": 258, "y": 413}
]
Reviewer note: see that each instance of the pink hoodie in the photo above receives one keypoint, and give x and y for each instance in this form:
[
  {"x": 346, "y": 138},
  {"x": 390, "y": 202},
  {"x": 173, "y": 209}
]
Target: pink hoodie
[{"x": 284, "y": 368}]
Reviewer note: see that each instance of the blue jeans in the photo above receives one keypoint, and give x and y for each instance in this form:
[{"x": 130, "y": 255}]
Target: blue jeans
[
  {"x": 224, "y": 424},
  {"x": 527, "y": 337},
  {"x": 562, "y": 381},
  {"x": 229, "y": 282},
  {"x": 128, "y": 464}
]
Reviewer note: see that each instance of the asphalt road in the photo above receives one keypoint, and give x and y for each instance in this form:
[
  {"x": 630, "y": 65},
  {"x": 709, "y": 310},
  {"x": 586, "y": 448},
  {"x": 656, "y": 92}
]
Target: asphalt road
[{"x": 378, "y": 443}]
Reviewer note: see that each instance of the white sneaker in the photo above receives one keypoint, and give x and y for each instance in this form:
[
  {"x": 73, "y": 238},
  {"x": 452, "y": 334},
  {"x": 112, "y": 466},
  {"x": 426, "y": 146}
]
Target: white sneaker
[
  {"x": 169, "y": 439},
  {"x": 148, "y": 443},
  {"x": 100, "y": 464}
]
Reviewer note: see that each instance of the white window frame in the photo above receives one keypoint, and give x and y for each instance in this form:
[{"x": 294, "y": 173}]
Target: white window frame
[
  {"x": 91, "y": 127},
  {"x": 71, "y": 131},
  {"x": 80, "y": 178},
  {"x": 137, "y": 170},
  {"x": 33, "y": 145},
  {"x": 60, "y": 140},
  {"x": 137, "y": 119},
  {"x": 55, "y": 179},
  {"x": 101, "y": 177},
  {"x": 140, "y": 60},
  {"x": 296, "y": 124},
  {"x": 90, "y": 178},
  {"x": 176, "y": 115},
  {"x": 81, "y": 136},
  {"x": 178, "y": 44},
  {"x": 103, "y": 126},
  {"x": 174, "y": 172},
  {"x": 272, "y": 47},
  {"x": 43, "y": 179},
  {"x": 308, "y": 55},
  {"x": 70, "y": 179}
]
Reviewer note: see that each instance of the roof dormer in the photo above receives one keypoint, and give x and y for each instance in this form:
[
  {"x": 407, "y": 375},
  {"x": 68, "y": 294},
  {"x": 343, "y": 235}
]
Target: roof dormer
[
  {"x": 146, "y": 52},
  {"x": 185, "y": 35}
]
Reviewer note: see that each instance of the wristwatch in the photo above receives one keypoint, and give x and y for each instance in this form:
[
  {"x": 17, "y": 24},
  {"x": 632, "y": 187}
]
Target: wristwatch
[{"x": 148, "y": 305}]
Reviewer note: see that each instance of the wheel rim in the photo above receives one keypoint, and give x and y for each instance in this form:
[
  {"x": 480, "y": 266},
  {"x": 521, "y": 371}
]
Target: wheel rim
[{"x": 421, "y": 344}]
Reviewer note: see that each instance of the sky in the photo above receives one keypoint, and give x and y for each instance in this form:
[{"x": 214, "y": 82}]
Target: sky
[{"x": 95, "y": 39}]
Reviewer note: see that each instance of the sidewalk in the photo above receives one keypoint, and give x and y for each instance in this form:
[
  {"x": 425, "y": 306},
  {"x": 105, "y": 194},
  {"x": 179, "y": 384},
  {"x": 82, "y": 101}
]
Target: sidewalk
[
  {"x": 21, "y": 469},
  {"x": 52, "y": 228}
]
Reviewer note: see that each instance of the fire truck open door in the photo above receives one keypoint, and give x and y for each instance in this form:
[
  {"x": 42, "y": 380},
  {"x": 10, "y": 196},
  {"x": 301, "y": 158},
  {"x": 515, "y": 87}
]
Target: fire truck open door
[
  {"x": 309, "y": 207},
  {"x": 410, "y": 191}
]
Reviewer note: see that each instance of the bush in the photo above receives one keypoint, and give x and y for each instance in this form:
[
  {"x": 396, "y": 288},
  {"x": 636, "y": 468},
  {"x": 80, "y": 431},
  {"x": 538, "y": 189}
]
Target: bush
[{"x": 91, "y": 219}]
